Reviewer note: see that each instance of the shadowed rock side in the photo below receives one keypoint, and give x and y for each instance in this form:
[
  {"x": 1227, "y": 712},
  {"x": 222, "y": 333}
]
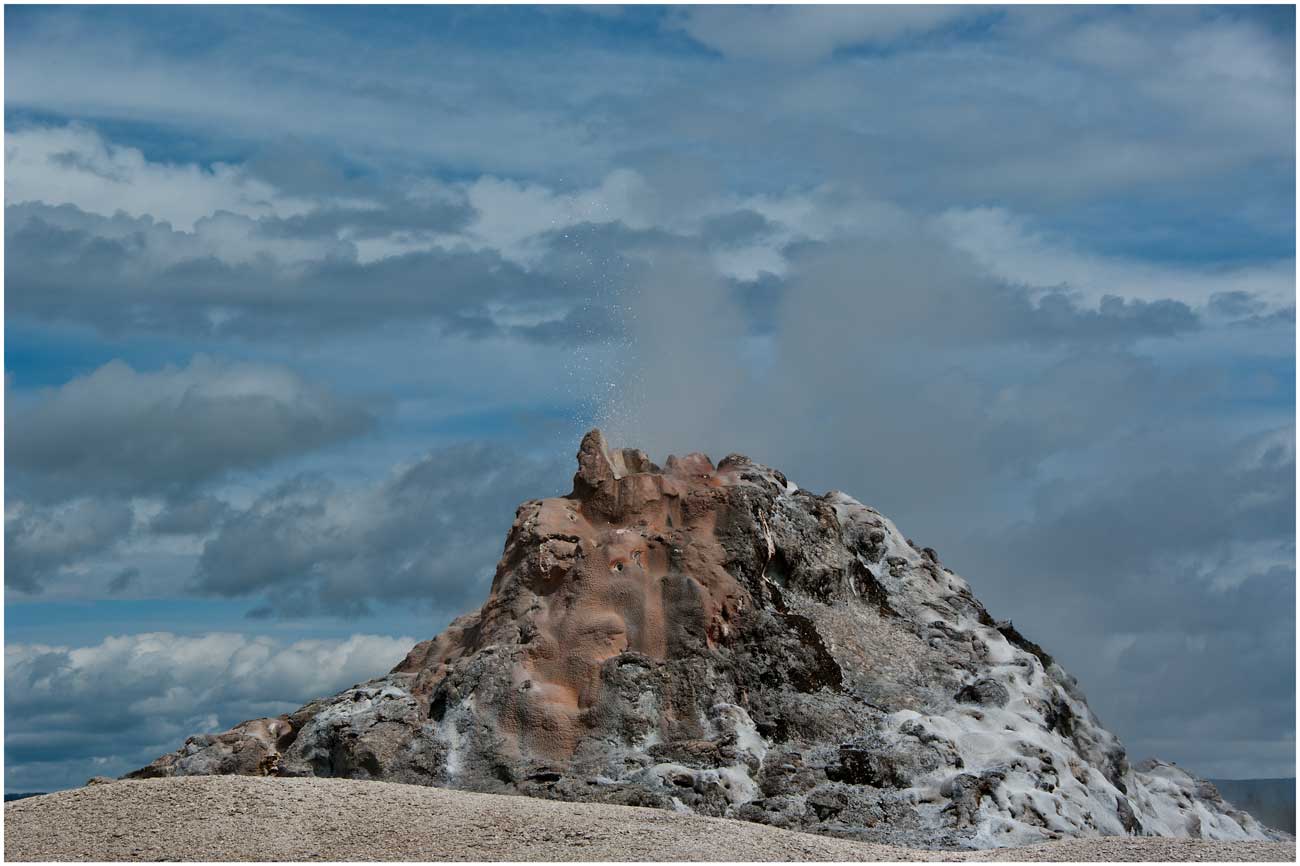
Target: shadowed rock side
[{"x": 713, "y": 639}]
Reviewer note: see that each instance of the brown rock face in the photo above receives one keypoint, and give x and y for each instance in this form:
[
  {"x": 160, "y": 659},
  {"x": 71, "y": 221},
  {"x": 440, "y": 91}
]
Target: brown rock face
[
  {"x": 629, "y": 564},
  {"x": 714, "y": 639}
]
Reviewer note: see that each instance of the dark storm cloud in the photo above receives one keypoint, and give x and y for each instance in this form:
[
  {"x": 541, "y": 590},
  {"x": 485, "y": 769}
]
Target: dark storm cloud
[
  {"x": 120, "y": 432},
  {"x": 430, "y": 532}
]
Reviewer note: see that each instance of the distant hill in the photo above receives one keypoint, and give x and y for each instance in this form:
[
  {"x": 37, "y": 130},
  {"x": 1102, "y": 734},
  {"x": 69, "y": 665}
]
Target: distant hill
[
  {"x": 9, "y": 797},
  {"x": 1271, "y": 801}
]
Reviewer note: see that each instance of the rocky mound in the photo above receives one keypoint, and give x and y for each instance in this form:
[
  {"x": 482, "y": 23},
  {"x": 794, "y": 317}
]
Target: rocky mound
[{"x": 712, "y": 639}]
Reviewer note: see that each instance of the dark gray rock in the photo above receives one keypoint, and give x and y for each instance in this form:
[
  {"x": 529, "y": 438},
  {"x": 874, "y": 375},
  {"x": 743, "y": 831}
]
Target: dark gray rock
[{"x": 989, "y": 693}]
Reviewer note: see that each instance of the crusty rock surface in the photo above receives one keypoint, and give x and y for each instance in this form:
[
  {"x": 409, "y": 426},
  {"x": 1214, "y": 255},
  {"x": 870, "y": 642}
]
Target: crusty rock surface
[
  {"x": 714, "y": 640},
  {"x": 221, "y": 818}
]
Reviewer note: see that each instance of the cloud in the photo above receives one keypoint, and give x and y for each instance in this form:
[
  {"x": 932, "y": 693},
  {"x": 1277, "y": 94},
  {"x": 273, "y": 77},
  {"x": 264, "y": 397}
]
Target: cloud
[
  {"x": 1186, "y": 568},
  {"x": 40, "y": 543},
  {"x": 1230, "y": 59},
  {"x": 193, "y": 517},
  {"x": 316, "y": 88},
  {"x": 968, "y": 114},
  {"x": 235, "y": 212},
  {"x": 494, "y": 256},
  {"x": 74, "y": 163},
  {"x": 233, "y": 278},
  {"x": 1009, "y": 247},
  {"x": 794, "y": 34},
  {"x": 906, "y": 288},
  {"x": 430, "y": 532},
  {"x": 122, "y": 432},
  {"x": 124, "y": 579},
  {"x": 516, "y": 219},
  {"x": 112, "y": 707}
]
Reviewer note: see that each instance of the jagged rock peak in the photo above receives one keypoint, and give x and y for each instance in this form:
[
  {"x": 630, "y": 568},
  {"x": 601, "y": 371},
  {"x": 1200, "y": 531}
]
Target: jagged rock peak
[
  {"x": 597, "y": 463},
  {"x": 716, "y": 640}
]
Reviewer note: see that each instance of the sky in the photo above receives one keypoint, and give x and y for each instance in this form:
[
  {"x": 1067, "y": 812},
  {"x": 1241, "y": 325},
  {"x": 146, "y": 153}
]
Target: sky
[{"x": 301, "y": 303}]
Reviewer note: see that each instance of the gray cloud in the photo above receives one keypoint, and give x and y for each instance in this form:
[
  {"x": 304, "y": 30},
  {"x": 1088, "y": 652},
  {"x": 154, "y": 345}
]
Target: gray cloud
[
  {"x": 123, "y": 580},
  {"x": 909, "y": 287},
  {"x": 123, "y": 432},
  {"x": 436, "y": 215},
  {"x": 430, "y": 532},
  {"x": 193, "y": 517},
  {"x": 1171, "y": 594},
  {"x": 114, "y": 706},
  {"x": 41, "y": 542},
  {"x": 735, "y": 227},
  {"x": 125, "y": 274},
  {"x": 792, "y": 34}
]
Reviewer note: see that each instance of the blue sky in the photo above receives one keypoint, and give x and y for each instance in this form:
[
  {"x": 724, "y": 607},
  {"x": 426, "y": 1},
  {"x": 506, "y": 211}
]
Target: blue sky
[{"x": 302, "y": 302}]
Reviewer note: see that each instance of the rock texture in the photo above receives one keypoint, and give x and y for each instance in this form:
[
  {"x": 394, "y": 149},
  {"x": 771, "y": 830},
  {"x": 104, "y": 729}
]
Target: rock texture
[
  {"x": 712, "y": 639},
  {"x": 224, "y": 818}
]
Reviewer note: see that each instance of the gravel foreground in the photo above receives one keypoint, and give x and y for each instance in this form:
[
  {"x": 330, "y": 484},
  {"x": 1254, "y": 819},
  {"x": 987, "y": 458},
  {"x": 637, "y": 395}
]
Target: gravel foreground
[{"x": 245, "y": 818}]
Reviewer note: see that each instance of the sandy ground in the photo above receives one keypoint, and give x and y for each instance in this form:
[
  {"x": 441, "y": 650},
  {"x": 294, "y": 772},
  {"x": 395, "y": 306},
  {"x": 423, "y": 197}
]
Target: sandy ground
[{"x": 240, "y": 818}]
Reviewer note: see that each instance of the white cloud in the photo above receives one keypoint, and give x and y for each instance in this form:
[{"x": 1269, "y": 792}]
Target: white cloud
[
  {"x": 1010, "y": 248},
  {"x": 76, "y": 165},
  {"x": 511, "y": 216},
  {"x": 1234, "y": 65},
  {"x": 175, "y": 211}
]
